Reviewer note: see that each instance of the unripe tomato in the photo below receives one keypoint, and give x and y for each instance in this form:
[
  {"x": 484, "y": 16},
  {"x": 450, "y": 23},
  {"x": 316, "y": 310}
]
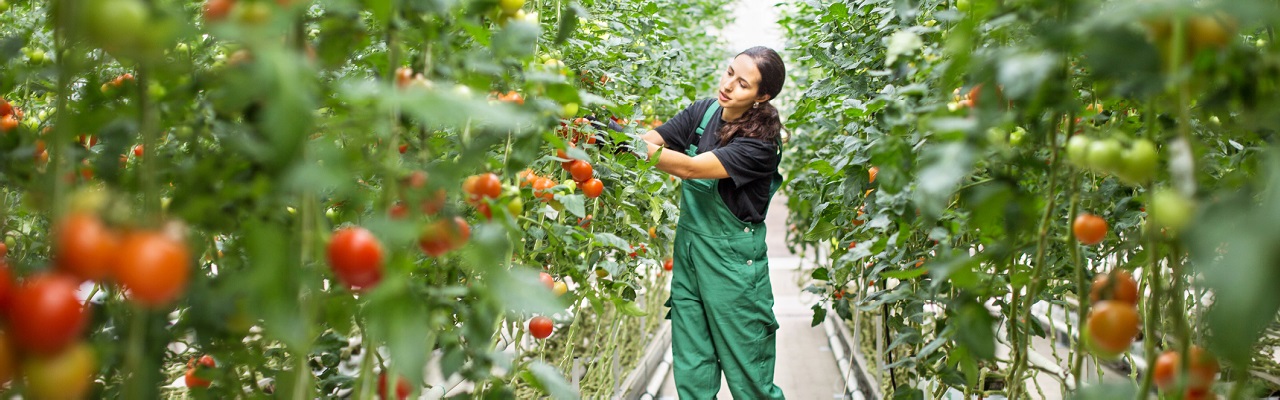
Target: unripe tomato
[
  {"x": 1112, "y": 325},
  {"x": 1210, "y": 31},
  {"x": 192, "y": 379},
  {"x": 356, "y": 257},
  {"x": 511, "y": 6},
  {"x": 569, "y": 109},
  {"x": 65, "y": 375},
  {"x": 581, "y": 170},
  {"x": 1201, "y": 372},
  {"x": 592, "y": 188},
  {"x": 84, "y": 246},
  {"x": 540, "y": 327},
  {"x": 1089, "y": 229},
  {"x": 402, "y": 387},
  {"x": 1104, "y": 155},
  {"x": 1139, "y": 162},
  {"x": 547, "y": 280},
  {"x": 1170, "y": 210},
  {"x": 560, "y": 289},
  {"x": 153, "y": 267},
  {"x": 1078, "y": 150},
  {"x": 515, "y": 206},
  {"x": 1124, "y": 289},
  {"x": 118, "y": 24},
  {"x": 45, "y": 314}
]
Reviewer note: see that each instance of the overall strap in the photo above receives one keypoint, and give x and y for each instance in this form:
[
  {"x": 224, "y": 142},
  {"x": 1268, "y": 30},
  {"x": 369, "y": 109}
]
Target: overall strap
[{"x": 706, "y": 118}]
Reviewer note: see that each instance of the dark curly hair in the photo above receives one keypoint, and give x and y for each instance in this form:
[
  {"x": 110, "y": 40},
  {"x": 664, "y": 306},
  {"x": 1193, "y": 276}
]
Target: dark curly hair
[{"x": 760, "y": 121}]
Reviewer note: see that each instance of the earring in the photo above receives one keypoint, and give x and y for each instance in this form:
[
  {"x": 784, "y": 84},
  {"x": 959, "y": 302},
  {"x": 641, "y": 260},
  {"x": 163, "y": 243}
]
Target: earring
[{"x": 757, "y": 105}]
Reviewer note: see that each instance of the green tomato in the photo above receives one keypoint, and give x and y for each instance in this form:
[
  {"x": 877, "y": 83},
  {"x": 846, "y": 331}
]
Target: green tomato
[
  {"x": 1140, "y": 162},
  {"x": 1104, "y": 155},
  {"x": 118, "y": 24},
  {"x": 515, "y": 206},
  {"x": 37, "y": 56},
  {"x": 996, "y": 135},
  {"x": 1078, "y": 150},
  {"x": 156, "y": 90},
  {"x": 1015, "y": 137},
  {"x": 511, "y": 6},
  {"x": 10, "y": 242},
  {"x": 4, "y": 6},
  {"x": 182, "y": 48},
  {"x": 1170, "y": 210},
  {"x": 68, "y": 374},
  {"x": 569, "y": 110}
]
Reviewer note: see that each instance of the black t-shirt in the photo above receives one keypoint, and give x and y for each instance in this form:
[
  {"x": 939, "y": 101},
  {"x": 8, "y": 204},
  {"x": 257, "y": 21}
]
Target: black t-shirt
[{"x": 751, "y": 163}]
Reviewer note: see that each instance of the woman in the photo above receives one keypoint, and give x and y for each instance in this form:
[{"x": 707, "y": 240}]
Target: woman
[{"x": 727, "y": 152}]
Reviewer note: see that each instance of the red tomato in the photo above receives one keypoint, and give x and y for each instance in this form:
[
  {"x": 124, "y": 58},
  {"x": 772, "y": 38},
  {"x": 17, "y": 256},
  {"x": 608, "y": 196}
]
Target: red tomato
[
  {"x": 1089, "y": 229},
  {"x": 191, "y": 378},
  {"x": 585, "y": 222},
  {"x": 1125, "y": 289},
  {"x": 398, "y": 211},
  {"x": 547, "y": 280},
  {"x": 484, "y": 186},
  {"x": 483, "y": 209},
  {"x": 8, "y": 123},
  {"x": 1201, "y": 372},
  {"x": 402, "y": 387},
  {"x": 217, "y": 10},
  {"x": 84, "y": 246},
  {"x": 541, "y": 189},
  {"x": 540, "y": 327},
  {"x": 581, "y": 170},
  {"x": 4, "y": 250},
  {"x": 5, "y": 108},
  {"x": 404, "y": 75},
  {"x": 355, "y": 256},
  {"x": 443, "y": 236},
  {"x": 8, "y": 360},
  {"x": 6, "y": 287},
  {"x": 592, "y": 188},
  {"x": 404, "y": 148},
  {"x": 153, "y": 267},
  {"x": 669, "y": 264},
  {"x": 65, "y": 375},
  {"x": 137, "y": 151},
  {"x": 872, "y": 173},
  {"x": 45, "y": 314},
  {"x": 1112, "y": 325}
]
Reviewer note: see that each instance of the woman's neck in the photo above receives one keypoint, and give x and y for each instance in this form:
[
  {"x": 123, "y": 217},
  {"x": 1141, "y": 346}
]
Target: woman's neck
[{"x": 731, "y": 114}]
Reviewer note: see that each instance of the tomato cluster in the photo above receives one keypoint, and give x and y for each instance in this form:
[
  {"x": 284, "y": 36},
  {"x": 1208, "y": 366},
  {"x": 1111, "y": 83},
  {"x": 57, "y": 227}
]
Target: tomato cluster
[
  {"x": 1135, "y": 164},
  {"x": 9, "y": 116}
]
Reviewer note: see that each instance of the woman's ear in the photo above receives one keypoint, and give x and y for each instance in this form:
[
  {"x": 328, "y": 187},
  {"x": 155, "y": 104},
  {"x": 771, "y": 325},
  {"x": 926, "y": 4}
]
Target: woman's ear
[{"x": 762, "y": 98}]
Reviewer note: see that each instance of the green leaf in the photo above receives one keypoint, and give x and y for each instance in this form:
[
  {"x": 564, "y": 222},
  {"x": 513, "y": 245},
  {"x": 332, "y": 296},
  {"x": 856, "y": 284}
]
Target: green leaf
[
  {"x": 575, "y": 204},
  {"x": 819, "y": 314},
  {"x": 821, "y": 274},
  {"x": 974, "y": 330},
  {"x": 548, "y": 378},
  {"x": 905, "y": 274},
  {"x": 568, "y": 22},
  {"x": 629, "y": 308},
  {"x": 611, "y": 240}
]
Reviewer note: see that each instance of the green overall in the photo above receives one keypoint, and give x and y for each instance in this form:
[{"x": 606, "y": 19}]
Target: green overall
[{"x": 721, "y": 299}]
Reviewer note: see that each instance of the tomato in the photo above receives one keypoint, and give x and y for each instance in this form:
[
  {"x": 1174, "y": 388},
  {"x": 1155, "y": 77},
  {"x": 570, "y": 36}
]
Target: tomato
[
  {"x": 483, "y": 209},
  {"x": 443, "y": 236},
  {"x": 569, "y": 109},
  {"x": 511, "y": 6},
  {"x": 547, "y": 280},
  {"x": 356, "y": 257},
  {"x": 192, "y": 379},
  {"x": 8, "y": 359},
  {"x": 872, "y": 174},
  {"x": 1170, "y": 210},
  {"x": 1138, "y": 163},
  {"x": 398, "y": 211},
  {"x": 540, "y": 327},
  {"x": 526, "y": 177},
  {"x": 581, "y": 170},
  {"x": 541, "y": 188},
  {"x": 402, "y": 387},
  {"x": 417, "y": 180},
  {"x": 602, "y": 273},
  {"x": 1124, "y": 289},
  {"x": 653, "y": 232},
  {"x": 5, "y": 108},
  {"x": 1112, "y": 325},
  {"x": 45, "y": 314},
  {"x": 858, "y": 221},
  {"x": 1201, "y": 372},
  {"x": 4, "y": 250},
  {"x": 84, "y": 246},
  {"x": 8, "y": 123},
  {"x": 585, "y": 222},
  {"x": 515, "y": 206},
  {"x": 118, "y": 24},
  {"x": 137, "y": 151},
  {"x": 1089, "y": 229},
  {"x": 486, "y": 186},
  {"x": 404, "y": 148},
  {"x": 1078, "y": 150},
  {"x": 668, "y": 265},
  {"x": 153, "y": 267},
  {"x": 404, "y": 75},
  {"x": 6, "y": 288},
  {"x": 65, "y": 375},
  {"x": 560, "y": 289},
  {"x": 592, "y": 188},
  {"x": 217, "y": 10},
  {"x": 1104, "y": 155}
]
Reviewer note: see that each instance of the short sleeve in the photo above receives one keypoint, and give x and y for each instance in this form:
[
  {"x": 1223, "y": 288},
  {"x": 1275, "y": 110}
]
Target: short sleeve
[
  {"x": 678, "y": 132},
  {"x": 748, "y": 159}
]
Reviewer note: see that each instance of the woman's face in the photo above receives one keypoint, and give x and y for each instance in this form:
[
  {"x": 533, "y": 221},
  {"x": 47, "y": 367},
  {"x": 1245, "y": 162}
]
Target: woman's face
[{"x": 740, "y": 83}]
